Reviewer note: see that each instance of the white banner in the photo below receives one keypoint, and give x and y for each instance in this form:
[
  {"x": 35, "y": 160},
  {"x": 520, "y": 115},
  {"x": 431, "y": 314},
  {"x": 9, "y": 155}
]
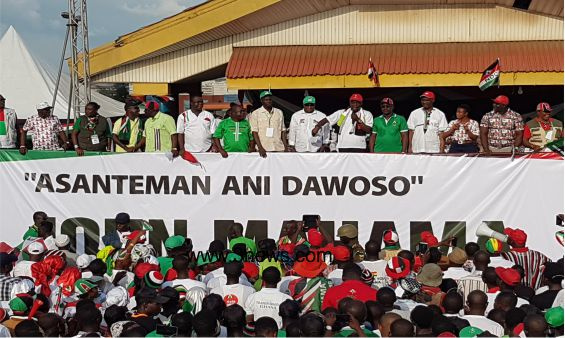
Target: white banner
[{"x": 374, "y": 190}]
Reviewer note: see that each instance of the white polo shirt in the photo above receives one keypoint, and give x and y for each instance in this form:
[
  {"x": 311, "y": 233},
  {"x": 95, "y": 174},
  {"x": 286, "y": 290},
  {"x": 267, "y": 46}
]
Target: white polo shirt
[
  {"x": 197, "y": 130},
  {"x": 300, "y": 131},
  {"x": 485, "y": 324},
  {"x": 347, "y": 137},
  {"x": 426, "y": 140},
  {"x": 265, "y": 303},
  {"x": 234, "y": 294}
]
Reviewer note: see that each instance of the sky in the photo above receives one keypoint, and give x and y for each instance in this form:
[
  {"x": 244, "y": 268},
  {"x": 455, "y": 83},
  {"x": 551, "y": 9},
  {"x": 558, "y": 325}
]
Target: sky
[{"x": 40, "y": 25}]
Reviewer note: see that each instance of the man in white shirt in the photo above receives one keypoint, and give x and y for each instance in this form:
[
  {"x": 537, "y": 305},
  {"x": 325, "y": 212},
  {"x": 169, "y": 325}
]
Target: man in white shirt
[
  {"x": 355, "y": 125},
  {"x": 267, "y": 126},
  {"x": 425, "y": 126},
  {"x": 195, "y": 127},
  {"x": 474, "y": 313},
  {"x": 457, "y": 257},
  {"x": 265, "y": 303},
  {"x": 300, "y": 137},
  {"x": 8, "y": 134},
  {"x": 374, "y": 264},
  {"x": 232, "y": 291}
]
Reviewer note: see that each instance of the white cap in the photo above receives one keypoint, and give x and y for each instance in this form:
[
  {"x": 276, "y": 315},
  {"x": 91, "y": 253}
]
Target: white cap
[
  {"x": 36, "y": 248},
  {"x": 84, "y": 260},
  {"x": 43, "y": 105},
  {"x": 62, "y": 240}
]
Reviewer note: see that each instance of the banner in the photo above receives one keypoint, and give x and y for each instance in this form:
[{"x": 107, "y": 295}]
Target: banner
[{"x": 411, "y": 193}]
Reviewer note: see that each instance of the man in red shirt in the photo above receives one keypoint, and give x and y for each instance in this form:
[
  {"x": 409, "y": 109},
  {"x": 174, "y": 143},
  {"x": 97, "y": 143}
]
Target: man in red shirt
[
  {"x": 352, "y": 287},
  {"x": 543, "y": 129}
]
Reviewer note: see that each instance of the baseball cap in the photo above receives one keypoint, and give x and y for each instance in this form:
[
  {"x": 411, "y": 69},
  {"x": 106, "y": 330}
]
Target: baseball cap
[
  {"x": 397, "y": 267},
  {"x": 309, "y": 100},
  {"x": 356, "y": 97},
  {"x": 122, "y": 218},
  {"x": 152, "y": 105},
  {"x": 470, "y": 331},
  {"x": 84, "y": 285},
  {"x": 315, "y": 237},
  {"x": 84, "y": 260},
  {"x": 543, "y": 106},
  {"x": 502, "y": 99},
  {"x": 347, "y": 230},
  {"x": 429, "y": 95},
  {"x": 390, "y": 237},
  {"x": 388, "y": 100},
  {"x": 36, "y": 248},
  {"x": 147, "y": 295},
  {"x": 265, "y": 93},
  {"x": 554, "y": 317},
  {"x": 154, "y": 279},
  {"x": 508, "y": 275},
  {"x": 341, "y": 253},
  {"x": 42, "y": 105},
  {"x": 174, "y": 242},
  {"x": 62, "y": 240}
]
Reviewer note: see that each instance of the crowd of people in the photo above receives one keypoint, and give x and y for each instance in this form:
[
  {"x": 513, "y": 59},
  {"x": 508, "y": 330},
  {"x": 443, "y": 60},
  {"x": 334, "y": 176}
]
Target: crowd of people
[
  {"x": 305, "y": 283},
  {"x": 352, "y": 129}
]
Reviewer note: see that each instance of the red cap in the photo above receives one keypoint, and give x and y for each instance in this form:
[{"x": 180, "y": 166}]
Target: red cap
[
  {"x": 143, "y": 268},
  {"x": 152, "y": 105},
  {"x": 134, "y": 234},
  {"x": 356, "y": 97},
  {"x": 518, "y": 236},
  {"x": 397, "y": 267},
  {"x": 390, "y": 237},
  {"x": 250, "y": 270},
  {"x": 309, "y": 269},
  {"x": 315, "y": 237},
  {"x": 508, "y": 275},
  {"x": 429, "y": 238},
  {"x": 543, "y": 106},
  {"x": 388, "y": 100},
  {"x": 429, "y": 95},
  {"x": 341, "y": 253},
  {"x": 502, "y": 99},
  {"x": 446, "y": 334},
  {"x": 288, "y": 247}
]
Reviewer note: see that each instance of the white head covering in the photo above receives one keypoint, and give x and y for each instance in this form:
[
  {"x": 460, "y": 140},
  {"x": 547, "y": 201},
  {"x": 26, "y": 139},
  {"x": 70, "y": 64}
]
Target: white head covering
[
  {"x": 62, "y": 240},
  {"x": 84, "y": 260},
  {"x": 117, "y": 296},
  {"x": 23, "y": 286}
]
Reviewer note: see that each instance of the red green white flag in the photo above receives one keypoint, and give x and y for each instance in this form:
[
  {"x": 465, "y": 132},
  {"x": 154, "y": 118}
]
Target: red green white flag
[{"x": 491, "y": 76}]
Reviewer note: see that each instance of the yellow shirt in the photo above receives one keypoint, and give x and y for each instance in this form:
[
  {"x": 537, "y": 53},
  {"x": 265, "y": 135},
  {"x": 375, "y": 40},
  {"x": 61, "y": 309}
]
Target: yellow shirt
[
  {"x": 269, "y": 127},
  {"x": 134, "y": 124}
]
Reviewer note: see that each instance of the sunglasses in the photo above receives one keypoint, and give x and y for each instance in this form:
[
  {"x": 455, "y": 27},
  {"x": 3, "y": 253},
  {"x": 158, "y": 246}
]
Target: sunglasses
[{"x": 309, "y": 105}]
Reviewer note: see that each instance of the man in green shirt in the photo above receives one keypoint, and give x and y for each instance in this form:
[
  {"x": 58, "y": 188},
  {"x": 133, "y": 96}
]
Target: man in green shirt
[
  {"x": 33, "y": 231},
  {"x": 91, "y": 132},
  {"x": 160, "y": 131},
  {"x": 235, "y": 235},
  {"x": 235, "y": 132},
  {"x": 390, "y": 131}
]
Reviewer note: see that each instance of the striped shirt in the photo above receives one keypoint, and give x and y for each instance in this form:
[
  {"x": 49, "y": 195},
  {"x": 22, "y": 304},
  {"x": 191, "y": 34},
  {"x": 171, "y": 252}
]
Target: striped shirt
[
  {"x": 473, "y": 281},
  {"x": 158, "y": 131},
  {"x": 6, "y": 285},
  {"x": 531, "y": 261}
]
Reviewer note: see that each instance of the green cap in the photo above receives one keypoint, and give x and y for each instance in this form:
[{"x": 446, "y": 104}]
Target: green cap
[
  {"x": 83, "y": 285},
  {"x": 309, "y": 100},
  {"x": 154, "y": 334},
  {"x": 265, "y": 93},
  {"x": 206, "y": 258},
  {"x": 554, "y": 316},
  {"x": 470, "y": 331},
  {"x": 233, "y": 257},
  {"x": 174, "y": 242},
  {"x": 17, "y": 305}
]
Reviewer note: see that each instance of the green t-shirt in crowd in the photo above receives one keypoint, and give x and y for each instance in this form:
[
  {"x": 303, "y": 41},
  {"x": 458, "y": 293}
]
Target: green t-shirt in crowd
[
  {"x": 236, "y": 135},
  {"x": 389, "y": 138}
]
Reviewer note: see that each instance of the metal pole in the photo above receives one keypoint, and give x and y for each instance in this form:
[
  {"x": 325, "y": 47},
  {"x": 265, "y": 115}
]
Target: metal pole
[
  {"x": 60, "y": 69},
  {"x": 85, "y": 50}
]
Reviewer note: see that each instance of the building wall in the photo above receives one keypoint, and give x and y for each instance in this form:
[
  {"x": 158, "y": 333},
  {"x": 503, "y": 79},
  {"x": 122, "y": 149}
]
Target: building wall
[{"x": 356, "y": 24}]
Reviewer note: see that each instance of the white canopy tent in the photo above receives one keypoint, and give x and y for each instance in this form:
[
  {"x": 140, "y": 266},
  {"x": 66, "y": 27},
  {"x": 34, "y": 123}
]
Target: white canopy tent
[{"x": 25, "y": 82}]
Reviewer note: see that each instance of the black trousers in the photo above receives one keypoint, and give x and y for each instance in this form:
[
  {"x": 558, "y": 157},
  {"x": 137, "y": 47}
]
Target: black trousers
[
  {"x": 352, "y": 150},
  {"x": 464, "y": 148}
]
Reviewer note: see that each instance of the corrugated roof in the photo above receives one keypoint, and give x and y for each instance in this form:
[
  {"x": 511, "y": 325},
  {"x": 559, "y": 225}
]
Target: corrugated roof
[{"x": 442, "y": 58}]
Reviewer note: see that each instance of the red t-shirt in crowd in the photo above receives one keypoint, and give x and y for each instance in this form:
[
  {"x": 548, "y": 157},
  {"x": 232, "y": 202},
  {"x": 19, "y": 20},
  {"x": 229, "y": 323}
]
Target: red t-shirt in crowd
[{"x": 352, "y": 288}]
